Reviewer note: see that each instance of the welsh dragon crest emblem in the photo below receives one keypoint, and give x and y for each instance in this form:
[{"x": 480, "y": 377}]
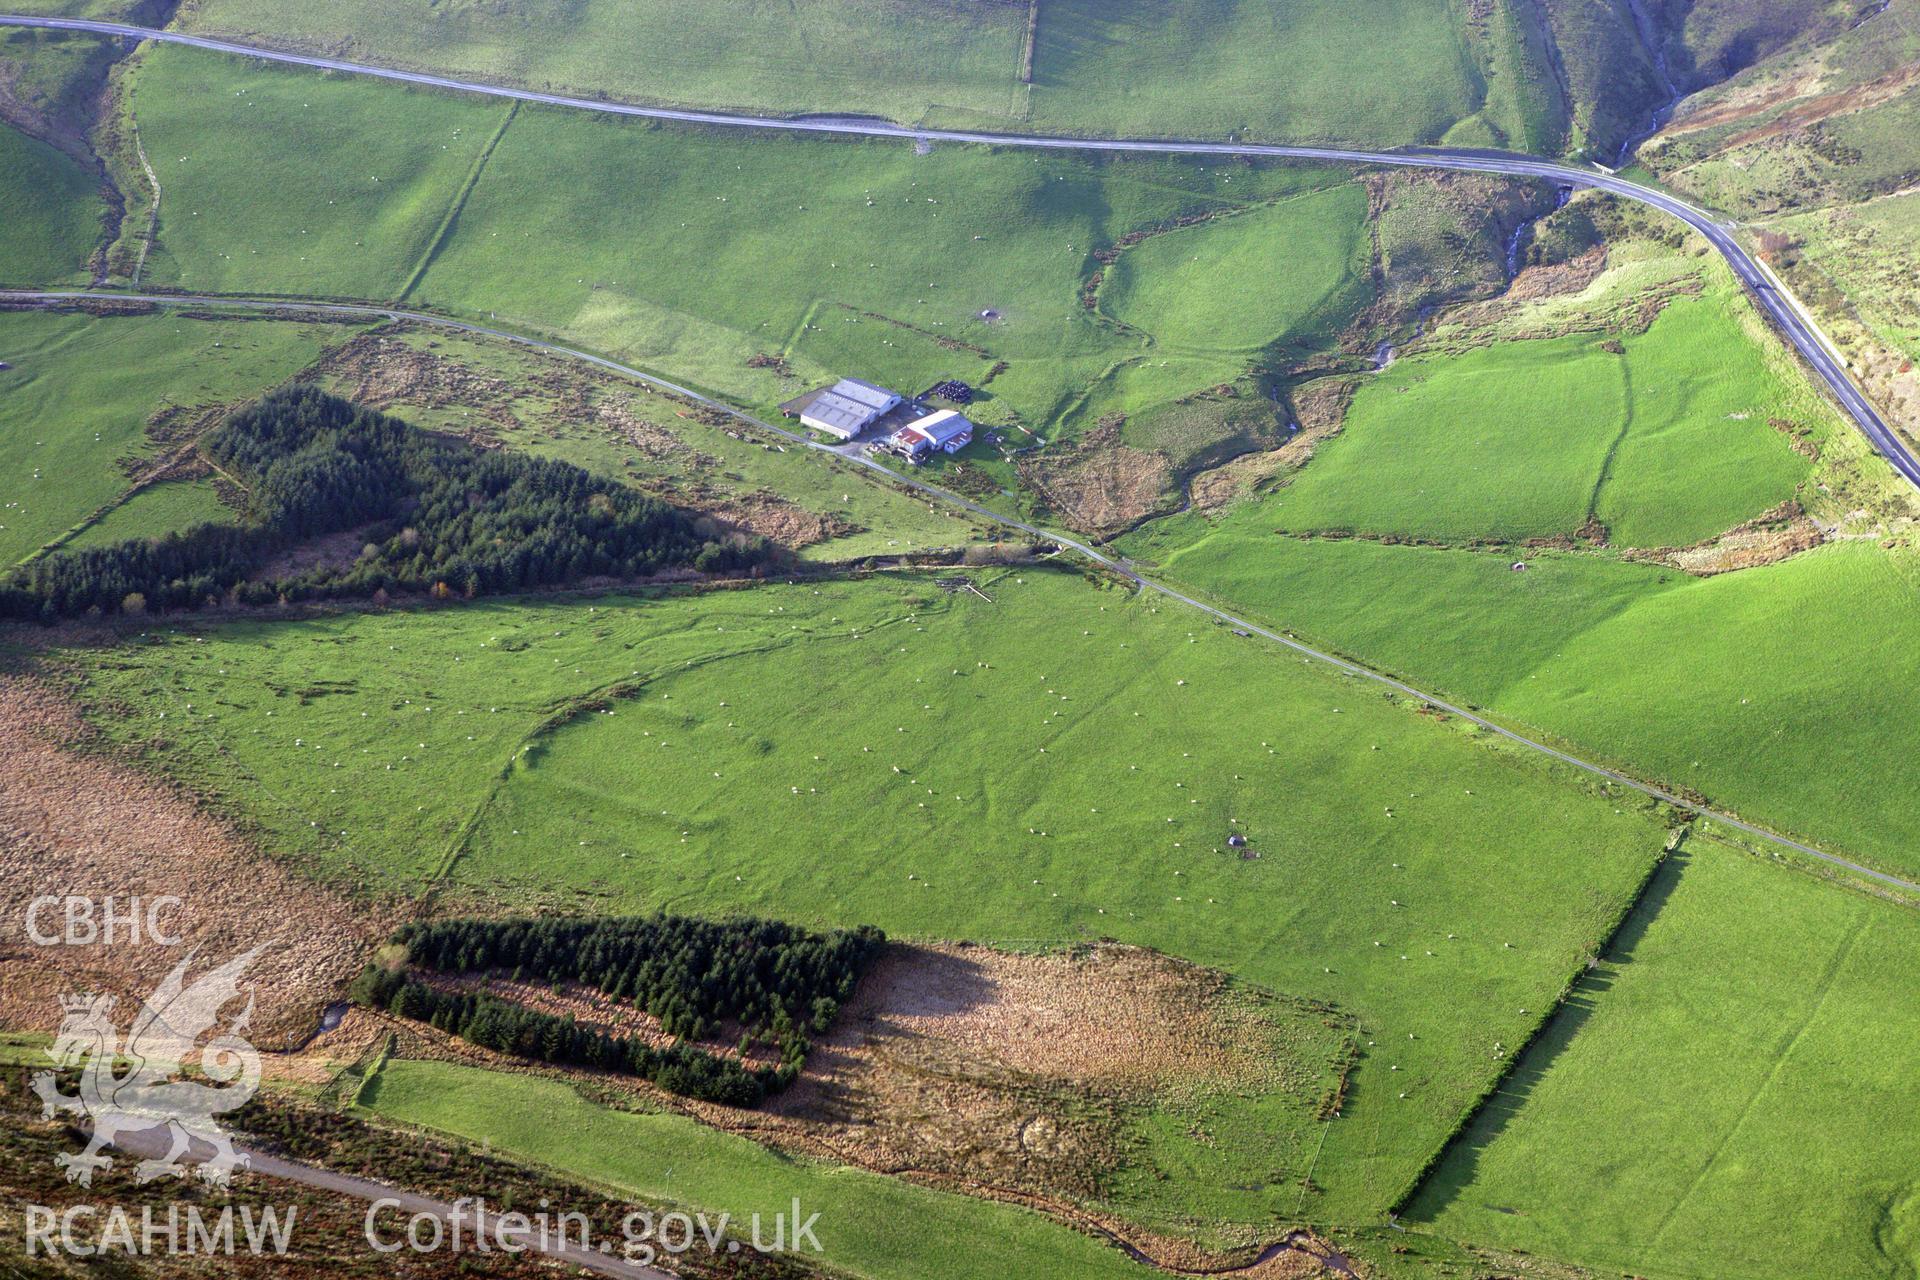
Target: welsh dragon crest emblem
[{"x": 132, "y": 1084}]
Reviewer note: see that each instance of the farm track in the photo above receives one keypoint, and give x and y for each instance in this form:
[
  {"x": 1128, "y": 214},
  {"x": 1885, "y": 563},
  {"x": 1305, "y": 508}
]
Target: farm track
[
  {"x": 459, "y": 202},
  {"x": 1613, "y": 449},
  {"x": 140, "y": 484},
  {"x": 153, "y": 1143},
  {"x": 1115, "y": 564},
  {"x": 1788, "y": 1043},
  {"x": 1781, "y": 307}
]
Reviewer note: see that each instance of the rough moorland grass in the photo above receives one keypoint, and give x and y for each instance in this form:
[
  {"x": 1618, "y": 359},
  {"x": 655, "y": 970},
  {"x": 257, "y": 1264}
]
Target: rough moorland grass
[
  {"x": 1217, "y": 1163},
  {"x": 870, "y": 1225},
  {"x": 51, "y": 78},
  {"x": 883, "y": 752},
  {"x": 1782, "y": 692},
  {"x": 49, "y": 215},
  {"x": 1744, "y": 143},
  {"x": 1665, "y": 442},
  {"x": 694, "y": 252},
  {"x": 1099, "y": 66},
  {"x": 1866, "y": 255},
  {"x": 77, "y": 400},
  {"x": 1609, "y": 80},
  {"x": 1746, "y": 1055}
]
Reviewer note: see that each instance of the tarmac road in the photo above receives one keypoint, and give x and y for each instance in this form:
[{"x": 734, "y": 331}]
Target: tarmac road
[
  {"x": 1797, "y": 327},
  {"x": 854, "y": 457}
]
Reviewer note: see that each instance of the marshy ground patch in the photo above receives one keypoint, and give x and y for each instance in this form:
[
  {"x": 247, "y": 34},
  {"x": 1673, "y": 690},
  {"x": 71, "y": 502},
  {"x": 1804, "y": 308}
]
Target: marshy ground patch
[{"x": 1117, "y": 1079}]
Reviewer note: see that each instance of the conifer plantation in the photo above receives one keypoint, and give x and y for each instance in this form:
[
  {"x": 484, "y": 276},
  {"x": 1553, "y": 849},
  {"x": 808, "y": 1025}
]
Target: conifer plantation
[
  {"x": 777, "y": 983},
  {"x": 430, "y": 513}
]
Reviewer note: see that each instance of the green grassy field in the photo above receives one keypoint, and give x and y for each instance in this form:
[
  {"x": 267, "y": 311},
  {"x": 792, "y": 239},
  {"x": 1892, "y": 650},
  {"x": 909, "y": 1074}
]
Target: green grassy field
[
  {"x": 470, "y": 747},
  {"x": 1698, "y": 452},
  {"x": 1064, "y": 761},
  {"x": 1463, "y": 618},
  {"x": 893, "y": 58},
  {"x": 1122, "y": 66},
  {"x": 49, "y": 214},
  {"x": 1785, "y": 692},
  {"x": 696, "y": 252},
  {"x": 77, "y": 400},
  {"x": 1443, "y": 448},
  {"x": 1227, "y": 66},
  {"x": 1781, "y": 692},
  {"x": 1666, "y": 443},
  {"x": 158, "y": 508},
  {"x": 1738, "y": 1059},
  {"x": 870, "y": 1225},
  {"x": 1238, "y": 283},
  {"x": 298, "y": 183}
]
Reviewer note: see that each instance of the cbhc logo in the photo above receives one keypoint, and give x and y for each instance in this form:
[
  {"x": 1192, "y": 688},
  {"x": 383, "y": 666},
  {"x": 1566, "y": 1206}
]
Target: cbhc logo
[{"x": 79, "y": 921}]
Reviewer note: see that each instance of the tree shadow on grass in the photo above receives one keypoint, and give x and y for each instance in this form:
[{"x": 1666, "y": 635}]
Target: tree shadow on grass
[
  {"x": 1460, "y": 1164},
  {"x": 908, "y": 983}
]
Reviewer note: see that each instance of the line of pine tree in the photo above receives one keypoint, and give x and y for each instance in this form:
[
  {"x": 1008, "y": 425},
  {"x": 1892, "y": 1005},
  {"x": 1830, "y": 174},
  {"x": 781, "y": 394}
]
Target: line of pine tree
[{"x": 510, "y": 1028}]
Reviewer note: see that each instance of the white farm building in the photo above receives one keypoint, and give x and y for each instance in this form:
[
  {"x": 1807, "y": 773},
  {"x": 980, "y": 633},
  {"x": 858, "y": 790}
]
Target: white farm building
[
  {"x": 946, "y": 431},
  {"x": 847, "y": 408}
]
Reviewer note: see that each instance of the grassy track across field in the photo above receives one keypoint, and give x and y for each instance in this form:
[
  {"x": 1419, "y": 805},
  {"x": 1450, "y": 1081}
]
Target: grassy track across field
[
  {"x": 556, "y": 408},
  {"x": 1783, "y": 693}
]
